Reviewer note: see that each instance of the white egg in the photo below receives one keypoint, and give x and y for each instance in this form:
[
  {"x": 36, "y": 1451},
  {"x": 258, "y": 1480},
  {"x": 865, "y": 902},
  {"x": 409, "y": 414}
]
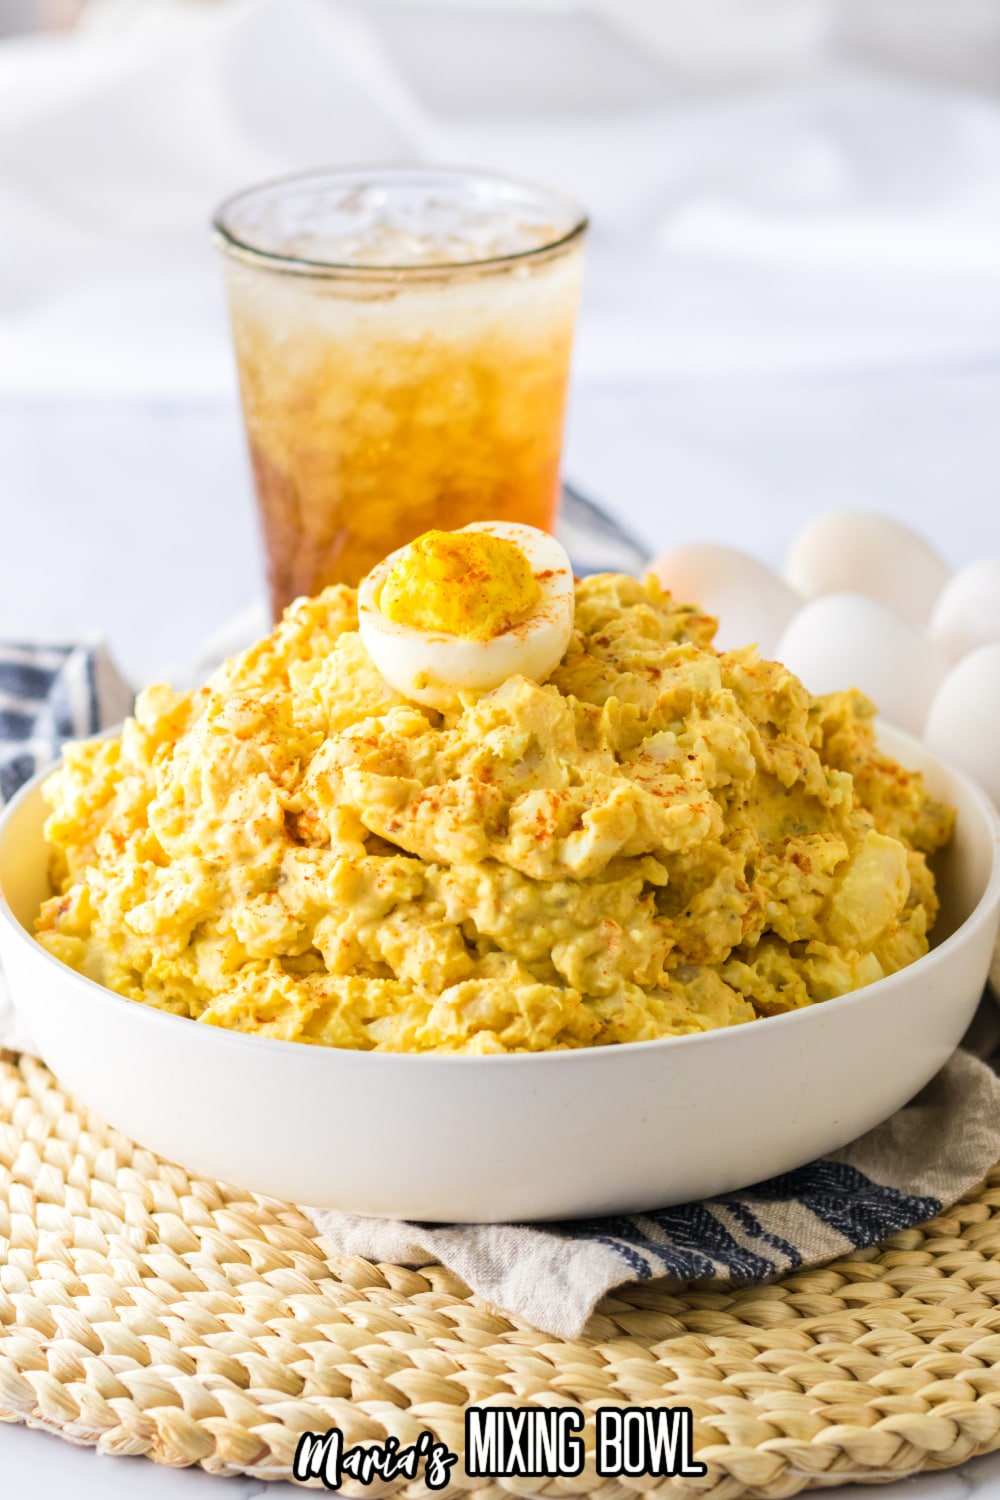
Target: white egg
[
  {"x": 434, "y": 667},
  {"x": 844, "y": 641},
  {"x": 963, "y": 723},
  {"x": 751, "y": 602},
  {"x": 967, "y": 613},
  {"x": 858, "y": 552}
]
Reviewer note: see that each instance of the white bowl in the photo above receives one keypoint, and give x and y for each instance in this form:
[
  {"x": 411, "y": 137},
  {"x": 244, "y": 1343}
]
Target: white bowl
[{"x": 534, "y": 1136}]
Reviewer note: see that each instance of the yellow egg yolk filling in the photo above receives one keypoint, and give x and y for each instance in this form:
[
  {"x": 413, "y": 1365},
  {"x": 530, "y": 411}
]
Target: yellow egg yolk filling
[{"x": 465, "y": 583}]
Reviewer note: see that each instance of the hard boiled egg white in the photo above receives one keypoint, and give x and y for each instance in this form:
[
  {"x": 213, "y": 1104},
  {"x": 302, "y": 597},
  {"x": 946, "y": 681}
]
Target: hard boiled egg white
[
  {"x": 432, "y": 665},
  {"x": 967, "y": 613},
  {"x": 963, "y": 723},
  {"x": 844, "y": 640},
  {"x": 751, "y": 603},
  {"x": 855, "y": 551}
]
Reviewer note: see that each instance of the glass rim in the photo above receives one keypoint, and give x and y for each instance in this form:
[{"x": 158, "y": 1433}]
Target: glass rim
[{"x": 232, "y": 244}]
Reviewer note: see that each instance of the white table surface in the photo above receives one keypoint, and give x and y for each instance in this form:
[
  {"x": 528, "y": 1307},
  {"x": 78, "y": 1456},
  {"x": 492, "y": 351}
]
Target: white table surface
[{"x": 135, "y": 521}]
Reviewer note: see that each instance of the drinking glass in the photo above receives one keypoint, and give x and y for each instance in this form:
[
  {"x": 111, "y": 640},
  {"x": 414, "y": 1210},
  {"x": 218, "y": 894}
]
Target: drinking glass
[{"x": 403, "y": 342}]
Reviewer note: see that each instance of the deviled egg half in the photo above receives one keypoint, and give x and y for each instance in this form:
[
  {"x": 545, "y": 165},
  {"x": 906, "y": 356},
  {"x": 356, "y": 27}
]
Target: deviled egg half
[{"x": 461, "y": 611}]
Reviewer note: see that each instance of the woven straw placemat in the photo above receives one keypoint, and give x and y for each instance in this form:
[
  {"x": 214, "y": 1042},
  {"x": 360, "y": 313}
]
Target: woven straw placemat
[{"x": 148, "y": 1311}]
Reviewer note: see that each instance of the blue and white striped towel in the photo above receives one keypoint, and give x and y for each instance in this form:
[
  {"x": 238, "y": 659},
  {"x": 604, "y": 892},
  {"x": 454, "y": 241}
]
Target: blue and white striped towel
[
  {"x": 49, "y": 694},
  {"x": 553, "y": 1275}
]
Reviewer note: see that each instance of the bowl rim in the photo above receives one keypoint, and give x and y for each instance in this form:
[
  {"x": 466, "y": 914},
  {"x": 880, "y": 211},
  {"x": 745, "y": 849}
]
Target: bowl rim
[{"x": 565, "y": 1057}]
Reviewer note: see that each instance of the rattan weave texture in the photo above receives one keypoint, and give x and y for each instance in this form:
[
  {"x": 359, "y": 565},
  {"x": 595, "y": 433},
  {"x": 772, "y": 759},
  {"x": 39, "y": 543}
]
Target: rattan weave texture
[{"x": 148, "y": 1311}]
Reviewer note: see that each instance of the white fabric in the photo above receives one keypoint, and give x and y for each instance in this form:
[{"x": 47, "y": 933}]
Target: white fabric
[{"x": 832, "y": 220}]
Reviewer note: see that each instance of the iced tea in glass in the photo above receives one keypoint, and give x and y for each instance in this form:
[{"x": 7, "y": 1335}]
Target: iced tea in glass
[{"x": 403, "y": 340}]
